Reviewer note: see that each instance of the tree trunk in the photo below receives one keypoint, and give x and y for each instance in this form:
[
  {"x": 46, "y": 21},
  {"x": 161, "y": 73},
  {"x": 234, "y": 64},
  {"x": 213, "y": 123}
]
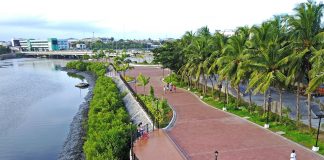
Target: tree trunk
[
  {"x": 212, "y": 86},
  {"x": 250, "y": 100},
  {"x": 280, "y": 102},
  {"x": 238, "y": 96},
  {"x": 297, "y": 103},
  {"x": 264, "y": 101},
  {"x": 144, "y": 90},
  {"x": 309, "y": 111},
  {"x": 206, "y": 86},
  {"x": 226, "y": 90}
]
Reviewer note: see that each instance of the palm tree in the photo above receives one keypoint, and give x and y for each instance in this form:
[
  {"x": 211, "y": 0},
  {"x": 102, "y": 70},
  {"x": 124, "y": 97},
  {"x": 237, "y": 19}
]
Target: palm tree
[
  {"x": 268, "y": 49},
  {"x": 307, "y": 39},
  {"x": 197, "y": 54},
  {"x": 143, "y": 81},
  {"x": 233, "y": 60},
  {"x": 220, "y": 43}
]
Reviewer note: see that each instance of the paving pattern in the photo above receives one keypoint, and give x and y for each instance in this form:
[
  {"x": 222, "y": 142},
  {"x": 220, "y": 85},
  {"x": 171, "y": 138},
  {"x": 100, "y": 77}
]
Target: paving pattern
[{"x": 200, "y": 130}]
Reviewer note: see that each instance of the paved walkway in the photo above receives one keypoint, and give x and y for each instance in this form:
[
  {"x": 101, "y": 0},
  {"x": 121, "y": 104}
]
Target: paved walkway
[
  {"x": 200, "y": 130},
  {"x": 157, "y": 147}
]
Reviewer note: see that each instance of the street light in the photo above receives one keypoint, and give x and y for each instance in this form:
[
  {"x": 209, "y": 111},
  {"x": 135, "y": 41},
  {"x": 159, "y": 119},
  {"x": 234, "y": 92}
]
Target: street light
[
  {"x": 157, "y": 110},
  {"x": 319, "y": 115},
  {"x": 131, "y": 137},
  {"x": 216, "y": 155},
  {"x": 219, "y": 89},
  {"x": 269, "y": 107}
]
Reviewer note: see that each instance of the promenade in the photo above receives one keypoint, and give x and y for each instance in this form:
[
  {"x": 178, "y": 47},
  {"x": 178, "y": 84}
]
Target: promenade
[{"x": 200, "y": 130}]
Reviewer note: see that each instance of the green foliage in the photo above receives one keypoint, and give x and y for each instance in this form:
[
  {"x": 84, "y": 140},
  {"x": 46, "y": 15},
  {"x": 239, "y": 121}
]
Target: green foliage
[
  {"x": 142, "y": 80},
  {"x": 108, "y": 129},
  {"x": 99, "y": 69},
  {"x": 152, "y": 91},
  {"x": 118, "y": 45},
  {"x": 4, "y": 50},
  {"x": 160, "y": 109}
]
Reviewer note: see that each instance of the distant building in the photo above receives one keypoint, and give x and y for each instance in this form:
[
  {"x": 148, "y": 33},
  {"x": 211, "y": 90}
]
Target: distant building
[
  {"x": 15, "y": 43},
  {"x": 81, "y": 46},
  {"x": 50, "y": 44},
  {"x": 228, "y": 32},
  {"x": 63, "y": 44},
  {"x": 5, "y": 43}
]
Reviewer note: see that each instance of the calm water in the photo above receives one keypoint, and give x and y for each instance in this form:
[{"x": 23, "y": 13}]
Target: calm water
[{"x": 37, "y": 105}]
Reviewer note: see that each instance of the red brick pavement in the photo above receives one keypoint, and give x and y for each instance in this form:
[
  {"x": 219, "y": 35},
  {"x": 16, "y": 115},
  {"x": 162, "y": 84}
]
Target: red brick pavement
[
  {"x": 157, "y": 147},
  {"x": 200, "y": 129}
]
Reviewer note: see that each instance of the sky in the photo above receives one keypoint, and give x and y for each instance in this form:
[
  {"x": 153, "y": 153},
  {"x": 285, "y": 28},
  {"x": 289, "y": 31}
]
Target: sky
[{"x": 131, "y": 19}]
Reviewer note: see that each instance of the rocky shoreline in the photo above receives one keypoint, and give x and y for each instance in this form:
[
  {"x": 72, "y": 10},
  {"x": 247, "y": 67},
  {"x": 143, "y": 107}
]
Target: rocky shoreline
[{"x": 73, "y": 145}]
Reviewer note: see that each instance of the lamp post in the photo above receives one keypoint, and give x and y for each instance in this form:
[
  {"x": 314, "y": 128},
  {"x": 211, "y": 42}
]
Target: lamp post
[
  {"x": 131, "y": 137},
  {"x": 319, "y": 116},
  {"x": 157, "y": 110},
  {"x": 268, "y": 111},
  {"x": 216, "y": 155},
  {"x": 219, "y": 89}
]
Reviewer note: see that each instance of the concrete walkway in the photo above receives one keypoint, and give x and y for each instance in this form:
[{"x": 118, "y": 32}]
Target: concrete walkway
[
  {"x": 200, "y": 130},
  {"x": 157, "y": 147}
]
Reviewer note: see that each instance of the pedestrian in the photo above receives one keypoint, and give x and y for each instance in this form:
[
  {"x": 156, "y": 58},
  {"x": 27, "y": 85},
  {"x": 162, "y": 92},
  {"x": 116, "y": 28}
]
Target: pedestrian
[
  {"x": 293, "y": 155},
  {"x": 139, "y": 130},
  {"x": 167, "y": 87},
  {"x": 171, "y": 87},
  {"x": 175, "y": 88},
  {"x": 164, "y": 89}
]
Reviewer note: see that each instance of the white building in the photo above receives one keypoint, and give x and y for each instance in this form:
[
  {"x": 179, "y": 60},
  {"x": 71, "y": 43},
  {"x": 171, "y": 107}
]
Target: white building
[{"x": 5, "y": 43}]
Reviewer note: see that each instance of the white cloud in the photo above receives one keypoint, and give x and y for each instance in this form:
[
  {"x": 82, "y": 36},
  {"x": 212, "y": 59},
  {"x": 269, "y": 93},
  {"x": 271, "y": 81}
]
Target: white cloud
[{"x": 140, "y": 18}]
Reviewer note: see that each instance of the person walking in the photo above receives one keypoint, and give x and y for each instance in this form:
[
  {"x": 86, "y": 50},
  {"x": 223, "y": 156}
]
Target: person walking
[
  {"x": 293, "y": 155},
  {"x": 167, "y": 87},
  {"x": 164, "y": 89}
]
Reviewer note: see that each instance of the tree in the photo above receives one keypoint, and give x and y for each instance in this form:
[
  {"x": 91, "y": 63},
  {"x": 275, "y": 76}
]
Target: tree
[
  {"x": 269, "y": 48},
  {"x": 307, "y": 38},
  {"x": 234, "y": 58},
  {"x": 143, "y": 81}
]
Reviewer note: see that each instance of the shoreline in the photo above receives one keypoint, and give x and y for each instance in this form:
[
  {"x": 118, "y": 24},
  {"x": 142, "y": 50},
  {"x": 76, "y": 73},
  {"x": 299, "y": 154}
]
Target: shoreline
[{"x": 73, "y": 145}]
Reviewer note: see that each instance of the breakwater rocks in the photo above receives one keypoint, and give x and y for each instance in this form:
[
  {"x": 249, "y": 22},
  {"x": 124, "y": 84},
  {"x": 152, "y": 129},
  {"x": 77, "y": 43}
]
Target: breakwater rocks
[{"x": 73, "y": 146}]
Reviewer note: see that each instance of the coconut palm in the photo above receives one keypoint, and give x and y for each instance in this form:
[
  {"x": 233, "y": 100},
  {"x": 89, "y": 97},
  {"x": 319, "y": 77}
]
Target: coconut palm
[
  {"x": 268, "y": 49},
  {"x": 307, "y": 39},
  {"x": 233, "y": 59},
  {"x": 197, "y": 54},
  {"x": 143, "y": 81},
  {"x": 220, "y": 43}
]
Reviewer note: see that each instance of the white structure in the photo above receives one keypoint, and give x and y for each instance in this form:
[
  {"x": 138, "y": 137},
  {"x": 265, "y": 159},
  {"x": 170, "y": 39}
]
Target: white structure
[
  {"x": 81, "y": 46},
  {"x": 39, "y": 45},
  {"x": 63, "y": 44},
  {"x": 5, "y": 43},
  {"x": 228, "y": 32}
]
